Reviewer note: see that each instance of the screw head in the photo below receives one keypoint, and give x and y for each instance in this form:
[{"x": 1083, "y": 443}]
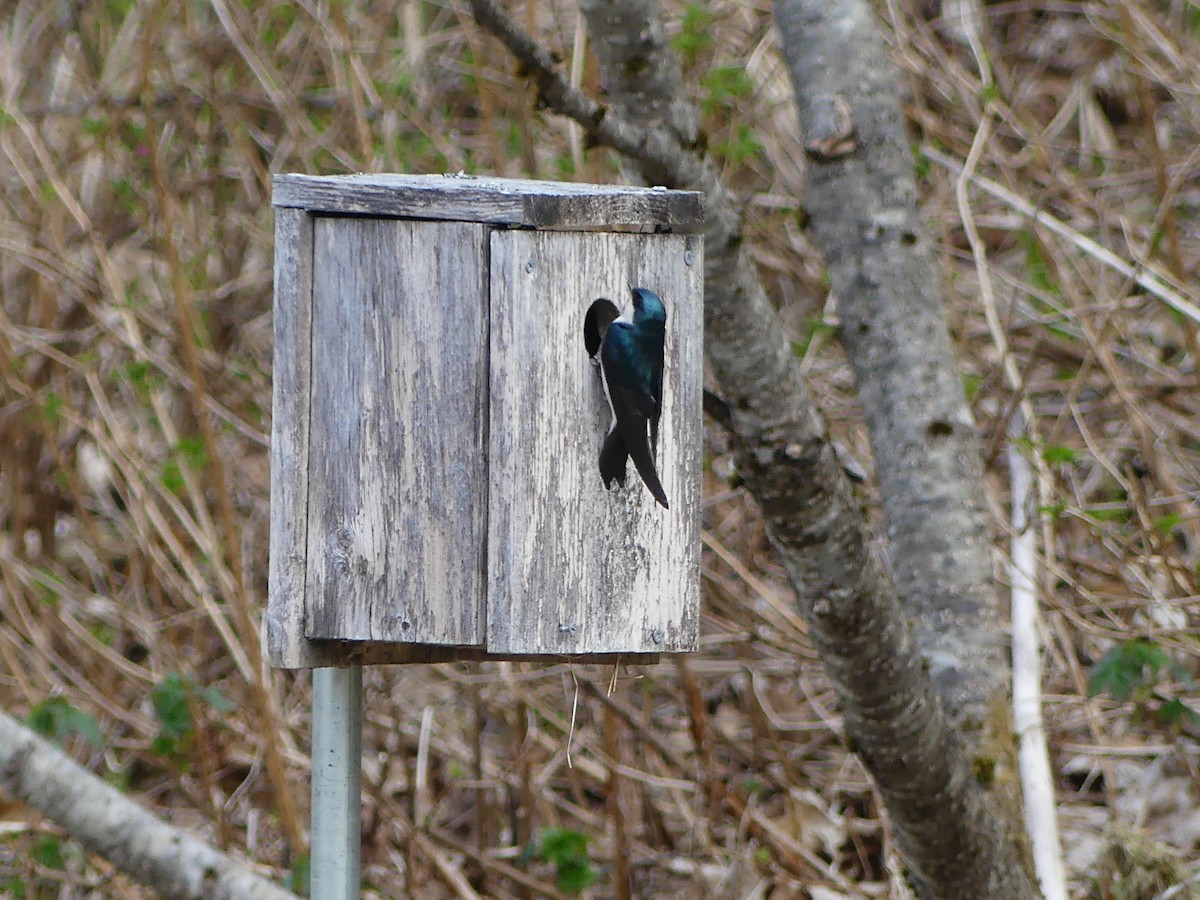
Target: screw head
[
  {"x": 529, "y": 265},
  {"x": 688, "y": 257},
  {"x": 657, "y": 635}
]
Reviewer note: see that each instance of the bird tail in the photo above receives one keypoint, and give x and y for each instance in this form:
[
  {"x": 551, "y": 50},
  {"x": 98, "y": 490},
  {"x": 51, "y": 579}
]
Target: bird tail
[
  {"x": 613, "y": 457},
  {"x": 644, "y": 462}
]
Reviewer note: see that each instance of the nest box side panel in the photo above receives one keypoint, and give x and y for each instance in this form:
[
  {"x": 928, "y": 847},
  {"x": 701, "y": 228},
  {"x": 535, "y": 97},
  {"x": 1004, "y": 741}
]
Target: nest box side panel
[
  {"x": 573, "y": 567},
  {"x": 292, "y": 314},
  {"x": 398, "y": 436}
]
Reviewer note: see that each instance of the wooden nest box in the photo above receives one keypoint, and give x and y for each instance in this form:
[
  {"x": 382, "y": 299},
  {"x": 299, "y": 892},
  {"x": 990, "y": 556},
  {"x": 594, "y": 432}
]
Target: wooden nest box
[{"x": 438, "y": 421}]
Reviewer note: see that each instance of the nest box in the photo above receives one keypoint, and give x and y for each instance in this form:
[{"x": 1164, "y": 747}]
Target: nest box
[{"x": 438, "y": 421}]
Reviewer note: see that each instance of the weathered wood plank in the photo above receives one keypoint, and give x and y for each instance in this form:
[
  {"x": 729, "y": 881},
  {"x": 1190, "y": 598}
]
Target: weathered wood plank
[
  {"x": 289, "y": 440},
  {"x": 498, "y": 201},
  {"x": 372, "y": 653},
  {"x": 397, "y": 462},
  {"x": 573, "y": 567}
]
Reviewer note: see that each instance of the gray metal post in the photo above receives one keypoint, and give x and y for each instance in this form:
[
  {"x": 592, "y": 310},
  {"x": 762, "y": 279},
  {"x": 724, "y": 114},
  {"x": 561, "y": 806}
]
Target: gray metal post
[{"x": 334, "y": 870}]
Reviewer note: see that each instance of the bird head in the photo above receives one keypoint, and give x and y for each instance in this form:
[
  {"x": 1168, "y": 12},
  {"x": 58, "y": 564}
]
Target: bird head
[{"x": 647, "y": 306}]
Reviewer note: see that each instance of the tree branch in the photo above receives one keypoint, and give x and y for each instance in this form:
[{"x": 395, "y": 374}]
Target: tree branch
[
  {"x": 105, "y": 821},
  {"x": 555, "y": 92}
]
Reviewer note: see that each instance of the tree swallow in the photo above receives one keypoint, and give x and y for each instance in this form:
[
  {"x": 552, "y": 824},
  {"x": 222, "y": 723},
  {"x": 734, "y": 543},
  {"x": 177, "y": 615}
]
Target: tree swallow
[{"x": 631, "y": 349}]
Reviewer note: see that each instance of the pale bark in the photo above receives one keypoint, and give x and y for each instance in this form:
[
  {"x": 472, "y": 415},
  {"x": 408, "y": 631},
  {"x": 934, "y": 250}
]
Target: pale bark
[
  {"x": 1037, "y": 777},
  {"x": 952, "y": 840},
  {"x": 107, "y": 822},
  {"x": 862, "y": 206}
]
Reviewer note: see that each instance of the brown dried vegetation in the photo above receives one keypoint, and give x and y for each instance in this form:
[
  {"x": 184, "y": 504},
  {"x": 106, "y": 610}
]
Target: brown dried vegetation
[{"x": 137, "y": 143}]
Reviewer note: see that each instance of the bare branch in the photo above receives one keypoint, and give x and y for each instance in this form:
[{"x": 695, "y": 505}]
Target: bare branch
[
  {"x": 654, "y": 149},
  {"x": 1037, "y": 778},
  {"x": 101, "y": 818}
]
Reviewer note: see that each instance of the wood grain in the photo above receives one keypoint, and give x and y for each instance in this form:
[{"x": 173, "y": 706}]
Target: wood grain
[
  {"x": 397, "y": 459},
  {"x": 498, "y": 201},
  {"x": 415, "y": 519},
  {"x": 574, "y": 568},
  {"x": 289, "y": 440}
]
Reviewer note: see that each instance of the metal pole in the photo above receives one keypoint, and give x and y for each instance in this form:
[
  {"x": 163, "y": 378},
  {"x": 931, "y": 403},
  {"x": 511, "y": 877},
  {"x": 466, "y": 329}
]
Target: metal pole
[{"x": 334, "y": 870}]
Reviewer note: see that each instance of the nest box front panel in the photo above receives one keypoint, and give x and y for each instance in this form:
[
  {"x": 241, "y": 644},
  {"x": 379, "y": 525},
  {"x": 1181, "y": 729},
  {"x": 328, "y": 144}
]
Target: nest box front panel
[
  {"x": 575, "y": 567},
  {"x": 397, "y": 459}
]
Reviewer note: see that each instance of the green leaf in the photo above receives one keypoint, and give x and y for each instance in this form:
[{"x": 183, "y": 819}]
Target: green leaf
[
  {"x": 1037, "y": 270},
  {"x": 1054, "y": 454},
  {"x": 216, "y": 699},
  {"x": 52, "y": 407},
  {"x": 1053, "y": 510},
  {"x": 164, "y": 746},
  {"x": 47, "y": 850},
  {"x": 136, "y": 372},
  {"x": 922, "y": 163},
  {"x": 170, "y": 700},
  {"x": 1127, "y": 667},
  {"x": 1168, "y": 523},
  {"x": 566, "y": 850},
  {"x": 723, "y": 85},
  {"x": 191, "y": 450},
  {"x": 49, "y": 585},
  {"x": 1117, "y": 514},
  {"x": 751, "y": 786},
  {"x": 298, "y": 878},
  {"x": 694, "y": 35},
  {"x": 742, "y": 147},
  {"x": 125, "y": 193},
  {"x": 55, "y": 718},
  {"x": 813, "y": 326},
  {"x": 564, "y": 165},
  {"x": 172, "y": 476},
  {"x": 1175, "y": 712}
]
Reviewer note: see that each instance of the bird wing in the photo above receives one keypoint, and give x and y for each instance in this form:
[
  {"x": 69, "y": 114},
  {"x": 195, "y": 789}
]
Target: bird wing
[
  {"x": 630, "y": 391},
  {"x": 626, "y": 373}
]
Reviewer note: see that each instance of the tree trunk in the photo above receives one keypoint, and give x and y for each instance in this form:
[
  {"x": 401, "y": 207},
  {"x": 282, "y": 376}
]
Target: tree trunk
[{"x": 862, "y": 206}]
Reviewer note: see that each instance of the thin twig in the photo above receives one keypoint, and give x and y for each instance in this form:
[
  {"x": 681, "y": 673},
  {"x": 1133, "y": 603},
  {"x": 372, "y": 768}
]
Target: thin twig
[
  {"x": 1140, "y": 275},
  {"x": 1037, "y": 782}
]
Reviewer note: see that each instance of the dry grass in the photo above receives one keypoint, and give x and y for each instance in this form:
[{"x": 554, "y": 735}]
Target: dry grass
[{"x": 136, "y": 147}]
